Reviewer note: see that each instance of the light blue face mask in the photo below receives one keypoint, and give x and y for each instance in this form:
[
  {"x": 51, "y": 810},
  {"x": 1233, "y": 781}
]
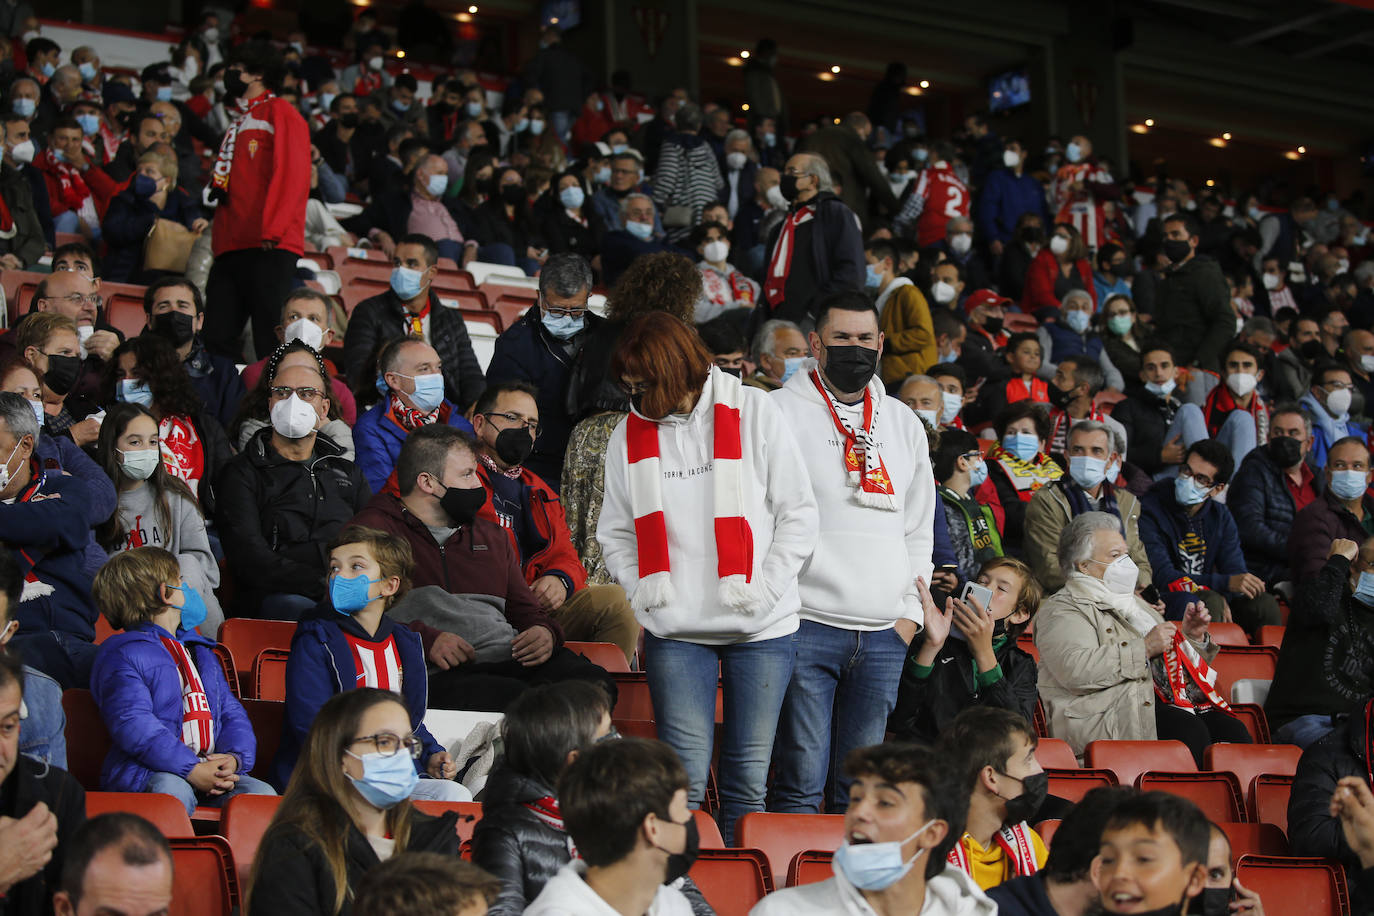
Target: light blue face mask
[
  {"x": 164, "y": 93},
  {"x": 135, "y": 392},
  {"x": 977, "y": 474},
  {"x": 790, "y": 365},
  {"x": 952, "y": 404},
  {"x": 873, "y": 279},
  {"x": 951, "y": 357},
  {"x": 1077, "y": 320},
  {"x": 88, "y": 71},
  {"x": 921, "y": 154},
  {"x": 1187, "y": 492},
  {"x": 1087, "y": 471},
  {"x": 1364, "y": 589},
  {"x": 400, "y": 107},
  {"x": 603, "y": 175},
  {"x": 1348, "y": 485},
  {"x": 473, "y": 109},
  {"x": 24, "y": 107},
  {"x": 429, "y": 390},
  {"x": 876, "y": 866},
  {"x": 572, "y": 197},
  {"x": 522, "y": 125},
  {"x": 641, "y": 231},
  {"x": 59, "y": 155},
  {"x": 1024, "y": 446},
  {"x": 619, "y": 148},
  {"x": 1113, "y": 471},
  {"x": 536, "y": 128},
  {"x": 350, "y": 594},
  {"x": 932, "y": 418},
  {"x": 1119, "y": 324},
  {"x": 407, "y": 283},
  {"x": 89, "y": 123},
  {"x": 1161, "y": 390},
  {"x": 386, "y": 781},
  {"x": 48, "y": 69},
  {"x": 437, "y": 185},
  {"x": 564, "y": 327},
  {"x": 1073, "y": 152}
]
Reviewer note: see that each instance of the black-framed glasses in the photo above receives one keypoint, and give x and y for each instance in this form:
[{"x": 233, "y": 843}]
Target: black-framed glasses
[
  {"x": 517, "y": 422},
  {"x": 307, "y": 394},
  {"x": 389, "y": 745},
  {"x": 636, "y": 388},
  {"x": 1201, "y": 480},
  {"x": 558, "y": 311}
]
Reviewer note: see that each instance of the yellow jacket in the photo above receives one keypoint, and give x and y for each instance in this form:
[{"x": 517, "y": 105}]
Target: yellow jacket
[{"x": 909, "y": 336}]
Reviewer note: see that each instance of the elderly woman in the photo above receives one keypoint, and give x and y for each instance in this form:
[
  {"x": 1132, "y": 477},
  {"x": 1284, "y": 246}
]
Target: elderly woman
[
  {"x": 1071, "y": 335},
  {"x": 1110, "y": 666}
]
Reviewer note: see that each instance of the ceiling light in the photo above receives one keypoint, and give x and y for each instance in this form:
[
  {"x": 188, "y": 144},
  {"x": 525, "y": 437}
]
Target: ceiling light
[
  {"x": 1149, "y": 122},
  {"x": 744, "y": 107},
  {"x": 1226, "y": 136},
  {"x": 472, "y": 9},
  {"x": 400, "y": 55},
  {"x": 835, "y": 69},
  {"x": 1217, "y": 142},
  {"x": 1139, "y": 129},
  {"x": 744, "y": 54},
  {"x": 734, "y": 61},
  {"x": 925, "y": 84},
  {"x": 1301, "y": 150}
]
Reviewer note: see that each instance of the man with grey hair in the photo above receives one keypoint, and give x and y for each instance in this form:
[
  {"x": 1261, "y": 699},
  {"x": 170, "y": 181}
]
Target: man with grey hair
[
  {"x": 1094, "y": 454},
  {"x": 779, "y": 349},
  {"x": 43, "y": 523},
  {"x": 688, "y": 175},
  {"x": 1273, "y": 484},
  {"x": 844, "y": 147},
  {"x": 739, "y": 166},
  {"x": 639, "y": 235},
  {"x": 816, "y": 250},
  {"x": 541, "y": 349}
]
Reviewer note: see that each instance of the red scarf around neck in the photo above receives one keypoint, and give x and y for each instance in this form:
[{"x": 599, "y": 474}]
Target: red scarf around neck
[
  {"x": 775, "y": 287},
  {"x": 71, "y": 187}
]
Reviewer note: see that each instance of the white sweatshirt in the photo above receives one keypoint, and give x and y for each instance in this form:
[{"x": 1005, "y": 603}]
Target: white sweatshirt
[
  {"x": 862, "y": 575},
  {"x": 950, "y": 893},
  {"x": 778, "y": 506},
  {"x": 569, "y": 894}
]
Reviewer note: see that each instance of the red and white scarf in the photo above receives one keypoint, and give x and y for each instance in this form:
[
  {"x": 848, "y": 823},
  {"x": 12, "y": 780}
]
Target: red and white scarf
[
  {"x": 862, "y": 463},
  {"x": 511, "y": 473},
  {"x": 109, "y": 145},
  {"x": 71, "y": 187},
  {"x": 546, "y": 811},
  {"x": 33, "y": 586},
  {"x": 734, "y": 540},
  {"x": 728, "y": 290},
  {"x": 1015, "y": 842},
  {"x": 775, "y": 286},
  {"x": 224, "y": 162},
  {"x": 1185, "y": 666},
  {"x": 411, "y": 418},
  {"x": 197, "y": 723},
  {"x": 368, "y": 82}
]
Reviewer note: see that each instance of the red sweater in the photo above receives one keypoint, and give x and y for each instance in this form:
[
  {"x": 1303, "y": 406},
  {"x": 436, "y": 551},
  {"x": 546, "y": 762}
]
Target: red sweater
[
  {"x": 269, "y": 181},
  {"x": 1043, "y": 274}
]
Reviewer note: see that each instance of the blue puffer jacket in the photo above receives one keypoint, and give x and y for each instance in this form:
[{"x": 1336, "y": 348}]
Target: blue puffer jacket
[
  {"x": 1067, "y": 342},
  {"x": 1263, "y": 507},
  {"x": 377, "y": 441},
  {"x": 1165, "y": 525},
  {"x": 321, "y": 665},
  {"x": 48, "y": 530},
  {"x": 138, "y": 689}
]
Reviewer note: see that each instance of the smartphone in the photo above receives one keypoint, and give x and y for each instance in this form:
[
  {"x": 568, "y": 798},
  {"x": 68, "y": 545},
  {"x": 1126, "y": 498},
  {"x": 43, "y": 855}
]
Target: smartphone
[
  {"x": 1149, "y": 594},
  {"x": 980, "y": 593}
]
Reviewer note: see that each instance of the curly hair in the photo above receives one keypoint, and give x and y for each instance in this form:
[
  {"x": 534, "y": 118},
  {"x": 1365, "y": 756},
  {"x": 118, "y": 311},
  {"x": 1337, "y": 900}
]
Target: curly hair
[
  {"x": 662, "y": 282},
  {"x": 156, "y": 362},
  {"x": 254, "y": 405}
]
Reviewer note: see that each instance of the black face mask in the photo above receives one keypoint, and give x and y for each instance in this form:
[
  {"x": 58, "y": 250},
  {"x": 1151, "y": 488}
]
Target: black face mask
[
  {"x": 462, "y": 506},
  {"x": 637, "y": 402},
  {"x": 1213, "y": 901},
  {"x": 1034, "y": 788},
  {"x": 349, "y": 121},
  {"x": 513, "y": 446},
  {"x": 62, "y": 373},
  {"x": 513, "y": 194},
  {"x": 1060, "y": 397},
  {"x": 174, "y": 327},
  {"x": 679, "y": 863},
  {"x": 1312, "y": 350},
  {"x": 1176, "y": 250},
  {"x": 788, "y": 186},
  {"x": 850, "y": 368},
  {"x": 993, "y": 325},
  {"x": 736, "y": 371},
  {"x": 1031, "y": 235},
  {"x": 1285, "y": 451},
  {"x": 234, "y": 84},
  {"x": 1123, "y": 270}
]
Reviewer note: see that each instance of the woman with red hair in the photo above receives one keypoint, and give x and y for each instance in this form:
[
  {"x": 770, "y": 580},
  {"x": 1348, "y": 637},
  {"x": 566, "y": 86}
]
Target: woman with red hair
[{"x": 707, "y": 519}]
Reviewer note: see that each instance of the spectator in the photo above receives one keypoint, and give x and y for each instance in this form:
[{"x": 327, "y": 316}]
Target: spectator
[
  {"x": 1018, "y": 377},
  {"x": 1078, "y": 190},
  {"x": 740, "y": 169},
  {"x": 1059, "y": 269},
  {"x": 1272, "y": 485},
  {"x": 952, "y": 381},
  {"x": 452, "y": 545},
  {"x": 939, "y": 196},
  {"x": 779, "y": 350},
  {"x": 284, "y": 498},
  {"x": 756, "y": 218},
  {"x": 21, "y": 230},
  {"x": 750, "y": 597},
  {"x": 72, "y": 294},
  {"x": 49, "y": 346},
  {"x": 566, "y": 221},
  {"x": 859, "y": 604},
  {"x": 1327, "y": 403},
  {"x": 261, "y": 179},
  {"x": 175, "y": 311},
  {"x": 133, "y": 214},
  {"x": 146, "y": 131},
  {"x": 638, "y": 237},
  {"x": 1235, "y": 413},
  {"x": 115, "y": 863},
  {"x": 1176, "y": 831},
  {"x": 626, "y": 176},
  {"x": 688, "y": 177},
  {"x": 1223, "y": 886},
  {"x": 1125, "y": 693},
  {"x": 1008, "y": 193},
  {"x": 1069, "y": 336},
  {"x": 504, "y": 219},
  {"x": 1073, "y": 390},
  {"x": 1124, "y": 336},
  {"x": 19, "y": 152},
  {"x": 1297, "y": 362},
  {"x": 425, "y": 884},
  {"x": 419, "y": 209},
  {"x": 1193, "y": 310},
  {"x": 904, "y": 315},
  {"x": 305, "y": 319},
  {"x": 844, "y": 147},
  {"x": 72, "y": 181},
  {"x": 956, "y": 249},
  {"x": 816, "y": 250},
  {"x": 1159, "y": 426},
  {"x": 304, "y": 867},
  {"x": 156, "y": 508},
  {"x": 412, "y": 307},
  {"x": 922, "y": 394},
  {"x": 1114, "y": 271},
  {"x": 1018, "y": 465},
  {"x": 1357, "y": 351},
  {"x": 1353, "y": 805},
  {"x": 502, "y": 129},
  {"x": 902, "y": 795},
  {"x": 725, "y": 344},
  {"x": 723, "y": 287},
  {"x": 981, "y": 350},
  {"x": 960, "y": 469},
  {"x": 1091, "y": 451},
  {"x": 358, "y": 646},
  {"x": 1343, "y": 510},
  {"x": 175, "y": 725},
  {"x": 1018, "y": 254},
  {"x": 411, "y": 374},
  {"x": 41, "y": 728},
  {"x": 561, "y": 77},
  {"x": 256, "y": 413}
]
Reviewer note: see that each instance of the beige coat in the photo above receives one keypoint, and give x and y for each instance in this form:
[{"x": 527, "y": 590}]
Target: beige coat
[
  {"x": 1094, "y": 674},
  {"x": 1046, "y": 516}
]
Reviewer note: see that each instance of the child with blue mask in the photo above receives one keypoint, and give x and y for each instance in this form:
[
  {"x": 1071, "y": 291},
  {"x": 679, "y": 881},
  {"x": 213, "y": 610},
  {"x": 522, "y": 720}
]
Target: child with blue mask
[
  {"x": 352, "y": 644},
  {"x": 175, "y": 725}
]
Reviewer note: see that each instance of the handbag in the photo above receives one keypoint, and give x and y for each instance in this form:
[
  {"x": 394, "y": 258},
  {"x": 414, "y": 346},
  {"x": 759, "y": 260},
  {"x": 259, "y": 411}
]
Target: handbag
[
  {"x": 678, "y": 216},
  {"x": 168, "y": 246}
]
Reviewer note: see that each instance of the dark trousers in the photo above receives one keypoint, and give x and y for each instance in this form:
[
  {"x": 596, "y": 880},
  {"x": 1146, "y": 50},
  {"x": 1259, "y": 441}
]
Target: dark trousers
[
  {"x": 250, "y": 283},
  {"x": 1197, "y": 730},
  {"x": 491, "y": 686},
  {"x": 64, "y": 657}
]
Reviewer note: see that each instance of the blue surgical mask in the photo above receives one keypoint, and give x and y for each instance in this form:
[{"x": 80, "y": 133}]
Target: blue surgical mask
[
  {"x": 48, "y": 69},
  {"x": 564, "y": 327},
  {"x": 953, "y": 403},
  {"x": 536, "y": 127},
  {"x": 429, "y": 391},
  {"x": 386, "y": 781},
  {"x": 1023, "y": 445},
  {"x": 382, "y": 387},
  {"x": 473, "y": 109},
  {"x": 603, "y": 175},
  {"x": 932, "y": 417},
  {"x": 193, "y": 611},
  {"x": 437, "y": 185},
  {"x": 59, "y": 155},
  {"x": 977, "y": 474},
  {"x": 88, "y": 71},
  {"x": 398, "y": 106},
  {"x": 90, "y": 123},
  {"x": 407, "y": 283},
  {"x": 876, "y": 866},
  {"x": 921, "y": 154},
  {"x": 1364, "y": 589},
  {"x": 164, "y": 93},
  {"x": 790, "y": 365},
  {"x": 135, "y": 392},
  {"x": 951, "y": 357},
  {"x": 572, "y": 197},
  {"x": 1076, "y": 320},
  {"x": 641, "y": 231},
  {"x": 1161, "y": 390},
  {"x": 325, "y": 100},
  {"x": 350, "y": 594},
  {"x": 1188, "y": 492},
  {"x": 1348, "y": 485},
  {"x": 619, "y": 148},
  {"x": 24, "y": 107},
  {"x": 873, "y": 278},
  {"x": 1113, "y": 471},
  {"x": 522, "y": 124},
  {"x": 1087, "y": 471},
  {"x": 1073, "y": 152}
]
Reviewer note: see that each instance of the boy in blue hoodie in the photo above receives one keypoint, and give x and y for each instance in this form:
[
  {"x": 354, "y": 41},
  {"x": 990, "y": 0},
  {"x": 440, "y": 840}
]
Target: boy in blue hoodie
[{"x": 175, "y": 725}]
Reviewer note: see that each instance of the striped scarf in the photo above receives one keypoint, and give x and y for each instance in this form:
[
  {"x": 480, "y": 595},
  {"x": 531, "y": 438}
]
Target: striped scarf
[
  {"x": 546, "y": 811},
  {"x": 862, "y": 463},
  {"x": 224, "y": 162},
  {"x": 197, "y": 723},
  {"x": 1016, "y": 843}
]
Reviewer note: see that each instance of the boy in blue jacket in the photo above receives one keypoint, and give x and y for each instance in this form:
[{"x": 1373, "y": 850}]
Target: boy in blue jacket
[
  {"x": 175, "y": 725},
  {"x": 351, "y": 643}
]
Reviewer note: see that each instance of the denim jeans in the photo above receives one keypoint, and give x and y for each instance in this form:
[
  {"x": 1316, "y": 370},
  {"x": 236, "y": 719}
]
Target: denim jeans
[
  {"x": 1304, "y": 731},
  {"x": 843, "y": 686},
  {"x": 181, "y": 790},
  {"x": 42, "y": 732},
  {"x": 682, "y": 682},
  {"x": 1188, "y": 426},
  {"x": 443, "y": 790},
  {"x": 1237, "y": 433}
]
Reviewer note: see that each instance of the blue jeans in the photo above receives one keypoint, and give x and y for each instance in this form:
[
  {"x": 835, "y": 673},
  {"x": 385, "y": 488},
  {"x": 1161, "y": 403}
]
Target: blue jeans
[
  {"x": 1304, "y": 731},
  {"x": 496, "y": 253},
  {"x": 843, "y": 687},
  {"x": 42, "y": 733},
  {"x": 1188, "y": 425},
  {"x": 442, "y": 790},
  {"x": 682, "y": 682},
  {"x": 180, "y": 789},
  {"x": 1239, "y": 435}
]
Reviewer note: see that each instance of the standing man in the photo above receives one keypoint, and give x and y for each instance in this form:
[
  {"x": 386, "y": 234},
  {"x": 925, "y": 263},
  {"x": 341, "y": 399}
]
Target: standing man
[
  {"x": 261, "y": 180},
  {"x": 844, "y": 147},
  {"x": 1193, "y": 310},
  {"x": 868, "y": 461},
  {"x": 1008, "y": 194}
]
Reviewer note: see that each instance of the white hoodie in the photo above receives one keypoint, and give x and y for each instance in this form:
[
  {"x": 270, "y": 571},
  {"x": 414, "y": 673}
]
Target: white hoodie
[
  {"x": 778, "y": 506},
  {"x": 569, "y": 894},
  {"x": 862, "y": 575},
  {"x": 950, "y": 893}
]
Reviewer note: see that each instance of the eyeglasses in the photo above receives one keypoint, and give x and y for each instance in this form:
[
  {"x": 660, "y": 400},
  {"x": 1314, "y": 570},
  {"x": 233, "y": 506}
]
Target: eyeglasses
[
  {"x": 389, "y": 745},
  {"x": 77, "y": 300},
  {"x": 576, "y": 311},
  {"x": 636, "y": 388},
  {"x": 518, "y": 421},
  {"x": 1201, "y": 480},
  {"x": 282, "y": 392},
  {"x": 1336, "y": 386}
]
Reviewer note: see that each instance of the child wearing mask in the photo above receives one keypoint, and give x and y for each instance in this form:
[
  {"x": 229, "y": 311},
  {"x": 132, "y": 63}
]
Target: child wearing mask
[{"x": 1153, "y": 858}]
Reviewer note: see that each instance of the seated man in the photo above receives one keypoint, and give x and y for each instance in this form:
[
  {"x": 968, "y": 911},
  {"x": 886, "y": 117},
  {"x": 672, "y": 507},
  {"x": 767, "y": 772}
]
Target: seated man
[
  {"x": 1019, "y": 379},
  {"x": 419, "y": 208},
  {"x": 506, "y": 420},
  {"x": 74, "y": 183},
  {"x": 21, "y": 242},
  {"x": 305, "y": 317},
  {"x": 284, "y": 498},
  {"x": 42, "y": 726},
  {"x": 923, "y": 395},
  {"x": 624, "y": 805},
  {"x": 1236, "y": 415},
  {"x": 1343, "y": 510},
  {"x": 1077, "y": 381},
  {"x": 779, "y": 350},
  {"x": 1159, "y": 425},
  {"x": 1170, "y": 835},
  {"x": 637, "y": 237},
  {"x": 425, "y": 884},
  {"x": 1194, "y": 547},
  {"x": 725, "y": 342},
  {"x": 1326, "y": 662},
  {"x": 175, "y": 311},
  {"x": 1085, "y": 488},
  {"x": 75, "y": 294},
  {"x": 1328, "y": 404},
  {"x": 115, "y": 863},
  {"x": 412, "y": 374},
  {"x": 992, "y": 751},
  {"x": 952, "y": 381},
  {"x": 437, "y": 510},
  {"x": 902, "y": 794},
  {"x": 1272, "y": 485}
]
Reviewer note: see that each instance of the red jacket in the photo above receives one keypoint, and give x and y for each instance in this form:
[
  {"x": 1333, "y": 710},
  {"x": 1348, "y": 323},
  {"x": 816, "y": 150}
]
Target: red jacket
[
  {"x": 269, "y": 181},
  {"x": 544, "y": 515},
  {"x": 477, "y": 560},
  {"x": 1041, "y": 277}
]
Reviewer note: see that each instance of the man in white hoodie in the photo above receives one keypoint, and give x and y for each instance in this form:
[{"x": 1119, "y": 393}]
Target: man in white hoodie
[
  {"x": 899, "y": 827},
  {"x": 869, "y": 466},
  {"x": 624, "y": 807}
]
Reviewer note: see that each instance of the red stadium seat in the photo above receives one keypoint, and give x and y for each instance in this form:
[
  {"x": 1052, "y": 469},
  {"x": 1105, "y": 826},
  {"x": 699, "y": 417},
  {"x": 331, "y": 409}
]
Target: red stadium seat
[
  {"x": 226, "y": 664},
  {"x": 453, "y": 281},
  {"x": 1047, "y": 829},
  {"x": 164, "y": 812},
  {"x": 88, "y": 741},
  {"x": 482, "y": 316},
  {"x": 1217, "y": 794},
  {"x": 1233, "y": 663},
  {"x": 103, "y": 630},
  {"x": 205, "y": 882},
  {"x": 269, "y": 674},
  {"x": 635, "y": 728},
  {"x": 634, "y": 701},
  {"x": 732, "y": 880},
  {"x": 469, "y": 813},
  {"x": 1254, "y": 839},
  {"x": 126, "y": 313},
  {"x": 708, "y": 831},
  {"x": 1131, "y": 758},
  {"x": 243, "y": 823},
  {"x": 1291, "y": 885},
  {"x": 1268, "y": 800},
  {"x": 464, "y": 299},
  {"x": 1074, "y": 784},
  {"x": 605, "y": 654},
  {"x": 1270, "y": 635},
  {"x": 810, "y": 867},
  {"x": 1042, "y": 727},
  {"x": 1228, "y": 634},
  {"x": 1056, "y": 753},
  {"x": 267, "y": 717},
  {"x": 1026, "y": 643},
  {"x": 1256, "y": 723},
  {"x": 245, "y": 637},
  {"x": 511, "y": 309},
  {"x": 782, "y": 836},
  {"x": 1250, "y": 760}
]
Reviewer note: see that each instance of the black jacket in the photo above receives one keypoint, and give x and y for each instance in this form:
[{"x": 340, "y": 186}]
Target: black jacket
[
  {"x": 1146, "y": 419},
  {"x": 276, "y": 517},
  {"x": 1193, "y": 313},
  {"x": 382, "y": 318},
  {"x": 1312, "y": 831},
  {"x": 27, "y": 243},
  {"x": 836, "y": 255},
  {"x": 1024, "y": 896},
  {"x": 926, "y": 706},
  {"x": 28, "y": 784},
  {"x": 1264, "y": 510},
  {"x": 294, "y": 878}
]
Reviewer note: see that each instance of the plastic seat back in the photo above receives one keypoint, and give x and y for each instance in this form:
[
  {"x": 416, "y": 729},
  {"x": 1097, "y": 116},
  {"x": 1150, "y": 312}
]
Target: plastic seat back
[
  {"x": 708, "y": 830},
  {"x": 1268, "y": 800},
  {"x": 1228, "y": 634},
  {"x": 205, "y": 881},
  {"x": 1217, "y": 794},
  {"x": 1234, "y": 663},
  {"x": 1056, "y": 753},
  {"x": 1291, "y": 885},
  {"x": 269, "y": 674},
  {"x": 1131, "y": 758},
  {"x": 810, "y": 867},
  {"x": 245, "y": 637},
  {"x": 732, "y": 880},
  {"x": 88, "y": 741},
  {"x": 1074, "y": 784},
  {"x": 1249, "y": 691},
  {"x": 782, "y": 836},
  {"x": 163, "y": 811},
  {"x": 244, "y": 820},
  {"x": 605, "y": 654},
  {"x": 1270, "y": 634},
  {"x": 1250, "y": 760},
  {"x": 1254, "y": 839},
  {"x": 1047, "y": 829},
  {"x": 469, "y": 813},
  {"x": 1253, "y": 717},
  {"x": 267, "y": 717}
]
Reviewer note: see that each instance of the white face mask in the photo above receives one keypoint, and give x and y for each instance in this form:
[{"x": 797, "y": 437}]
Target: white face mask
[
  {"x": 293, "y": 418},
  {"x": 374, "y": 63},
  {"x": 773, "y": 195},
  {"x": 943, "y": 292},
  {"x": 1011, "y": 159},
  {"x": 1120, "y": 575},
  {"x": 22, "y": 152},
  {"x": 716, "y": 251},
  {"x": 736, "y": 161},
  {"x": 1272, "y": 281},
  {"x": 306, "y": 331},
  {"x": 1059, "y": 244},
  {"x": 960, "y": 243},
  {"x": 5, "y": 469},
  {"x": 1338, "y": 402},
  {"x": 1241, "y": 383}
]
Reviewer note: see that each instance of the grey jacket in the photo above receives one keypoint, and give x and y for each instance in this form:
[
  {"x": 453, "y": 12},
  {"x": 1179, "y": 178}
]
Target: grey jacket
[
  {"x": 478, "y": 619},
  {"x": 1046, "y": 516}
]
